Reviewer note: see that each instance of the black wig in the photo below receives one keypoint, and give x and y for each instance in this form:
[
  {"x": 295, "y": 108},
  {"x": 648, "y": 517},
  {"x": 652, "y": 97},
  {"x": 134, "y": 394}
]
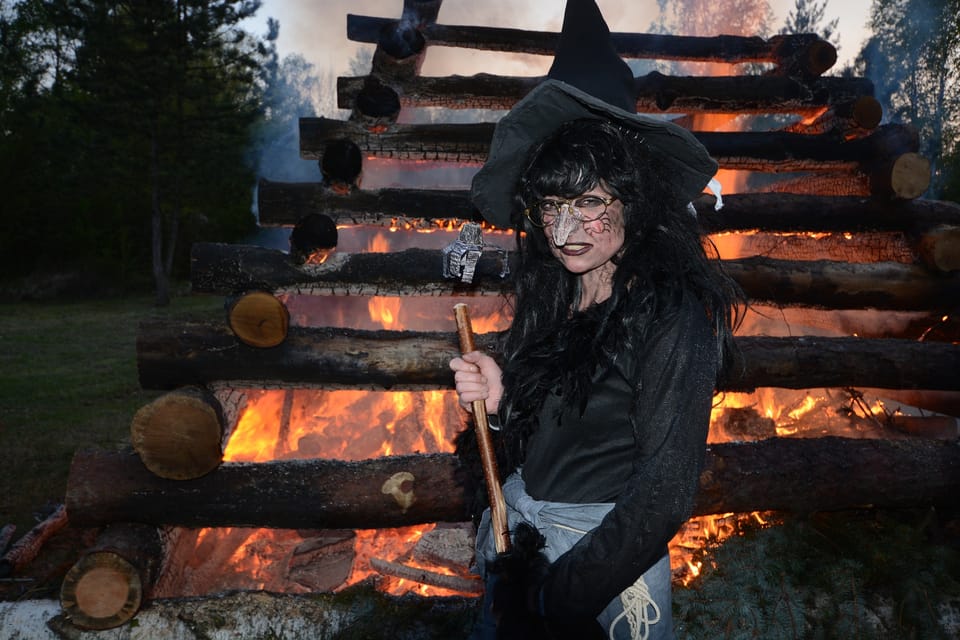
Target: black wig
[{"x": 549, "y": 346}]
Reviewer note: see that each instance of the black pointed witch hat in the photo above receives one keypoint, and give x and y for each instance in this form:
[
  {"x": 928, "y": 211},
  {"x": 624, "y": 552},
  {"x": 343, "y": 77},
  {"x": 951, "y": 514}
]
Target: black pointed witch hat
[{"x": 588, "y": 79}]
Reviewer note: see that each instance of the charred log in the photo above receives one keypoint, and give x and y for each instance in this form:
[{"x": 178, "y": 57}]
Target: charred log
[
  {"x": 726, "y": 48},
  {"x": 221, "y": 268},
  {"x": 754, "y": 151},
  {"x": 175, "y": 354},
  {"x": 940, "y": 248},
  {"x": 24, "y": 550},
  {"x": 655, "y": 92},
  {"x": 287, "y": 202},
  {"x": 106, "y": 586},
  {"x": 817, "y": 474}
]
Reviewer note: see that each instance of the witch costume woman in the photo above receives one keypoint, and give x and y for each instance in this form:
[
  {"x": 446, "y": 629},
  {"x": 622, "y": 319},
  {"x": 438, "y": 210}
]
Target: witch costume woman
[{"x": 602, "y": 386}]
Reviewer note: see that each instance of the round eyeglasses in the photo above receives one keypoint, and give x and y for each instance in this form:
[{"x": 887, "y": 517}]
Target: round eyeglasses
[{"x": 585, "y": 209}]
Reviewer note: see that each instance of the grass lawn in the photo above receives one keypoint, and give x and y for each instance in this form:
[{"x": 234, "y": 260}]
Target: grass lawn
[{"x": 68, "y": 380}]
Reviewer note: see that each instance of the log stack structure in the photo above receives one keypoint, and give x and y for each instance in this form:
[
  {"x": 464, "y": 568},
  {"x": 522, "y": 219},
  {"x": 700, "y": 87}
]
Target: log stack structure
[{"x": 841, "y": 173}]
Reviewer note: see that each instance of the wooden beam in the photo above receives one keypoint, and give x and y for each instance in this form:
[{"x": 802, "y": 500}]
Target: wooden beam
[
  {"x": 172, "y": 354},
  {"x": 724, "y": 48},
  {"x": 803, "y": 474},
  {"x": 776, "y": 151},
  {"x": 286, "y": 203},
  {"x": 656, "y": 92},
  {"x": 225, "y": 269}
]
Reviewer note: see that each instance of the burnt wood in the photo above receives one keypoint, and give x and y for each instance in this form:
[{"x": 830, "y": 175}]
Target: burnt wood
[
  {"x": 655, "y": 91},
  {"x": 804, "y": 475},
  {"x": 285, "y": 203},
  {"x": 225, "y": 268},
  {"x": 172, "y": 354},
  {"x": 776, "y": 151},
  {"x": 724, "y": 48}
]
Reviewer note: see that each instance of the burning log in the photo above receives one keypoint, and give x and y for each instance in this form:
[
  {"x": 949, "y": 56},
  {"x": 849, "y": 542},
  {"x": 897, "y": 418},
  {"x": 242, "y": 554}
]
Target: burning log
[
  {"x": 180, "y": 435},
  {"x": 314, "y": 235},
  {"x": 172, "y": 354},
  {"x": 258, "y": 319},
  {"x": 655, "y": 92},
  {"x": 851, "y": 119},
  {"x": 219, "y": 268},
  {"x": 27, "y": 547},
  {"x": 323, "y": 561},
  {"x": 376, "y": 106},
  {"x": 753, "y": 151},
  {"x": 940, "y": 248},
  {"x": 725, "y": 48},
  {"x": 341, "y": 165},
  {"x": 816, "y": 474},
  {"x": 399, "y": 53},
  {"x": 286, "y": 202},
  {"x": 105, "y": 587},
  {"x": 424, "y": 576},
  {"x": 838, "y": 184}
]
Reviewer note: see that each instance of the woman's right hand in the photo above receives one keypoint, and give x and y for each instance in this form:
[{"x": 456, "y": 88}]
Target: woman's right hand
[{"x": 478, "y": 377}]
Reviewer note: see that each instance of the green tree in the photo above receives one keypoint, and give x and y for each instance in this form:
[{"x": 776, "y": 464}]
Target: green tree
[
  {"x": 137, "y": 143},
  {"x": 913, "y": 58},
  {"x": 808, "y": 16}
]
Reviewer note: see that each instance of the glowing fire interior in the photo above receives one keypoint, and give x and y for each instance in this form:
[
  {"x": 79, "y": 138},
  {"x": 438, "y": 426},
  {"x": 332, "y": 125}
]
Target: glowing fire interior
[{"x": 356, "y": 425}]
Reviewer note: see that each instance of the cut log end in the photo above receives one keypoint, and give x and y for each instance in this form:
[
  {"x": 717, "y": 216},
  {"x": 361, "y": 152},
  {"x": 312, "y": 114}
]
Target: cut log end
[
  {"x": 101, "y": 591},
  {"x": 821, "y": 57},
  {"x": 179, "y": 435},
  {"x": 867, "y": 112},
  {"x": 940, "y": 249},
  {"x": 258, "y": 319},
  {"x": 905, "y": 177}
]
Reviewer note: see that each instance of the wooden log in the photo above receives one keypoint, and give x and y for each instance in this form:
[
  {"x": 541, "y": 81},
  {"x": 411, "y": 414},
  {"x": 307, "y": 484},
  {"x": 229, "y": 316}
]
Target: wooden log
[
  {"x": 852, "y": 119},
  {"x": 172, "y": 354},
  {"x": 180, "y": 434},
  {"x": 399, "y": 54},
  {"x": 313, "y": 238},
  {"x": 828, "y": 184},
  {"x": 802, "y": 475},
  {"x": 220, "y": 268},
  {"x": 376, "y": 107},
  {"x": 656, "y": 92},
  {"x": 724, "y": 48},
  {"x": 461, "y": 584},
  {"x": 753, "y": 151},
  {"x": 939, "y": 248},
  {"x": 341, "y": 165},
  {"x": 24, "y": 550},
  {"x": 106, "y": 586},
  {"x": 284, "y": 203},
  {"x": 803, "y": 54},
  {"x": 259, "y": 319},
  {"x": 905, "y": 176},
  {"x": 420, "y": 13}
]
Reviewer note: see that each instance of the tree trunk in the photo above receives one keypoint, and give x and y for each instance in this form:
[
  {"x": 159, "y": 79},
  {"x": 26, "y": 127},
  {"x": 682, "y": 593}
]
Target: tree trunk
[
  {"x": 106, "y": 586},
  {"x": 258, "y": 319},
  {"x": 181, "y": 353},
  {"x": 180, "y": 435},
  {"x": 776, "y": 151},
  {"x": 940, "y": 248},
  {"x": 777, "y": 474},
  {"x": 656, "y": 93},
  {"x": 285, "y": 203},
  {"x": 725, "y": 48},
  {"x": 221, "y": 268}
]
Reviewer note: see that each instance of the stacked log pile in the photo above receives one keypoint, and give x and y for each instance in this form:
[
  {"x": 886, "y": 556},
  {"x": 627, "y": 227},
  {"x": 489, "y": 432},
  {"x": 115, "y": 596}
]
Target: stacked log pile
[{"x": 849, "y": 175}]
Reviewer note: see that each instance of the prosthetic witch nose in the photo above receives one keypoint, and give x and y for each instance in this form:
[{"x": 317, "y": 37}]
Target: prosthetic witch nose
[{"x": 567, "y": 220}]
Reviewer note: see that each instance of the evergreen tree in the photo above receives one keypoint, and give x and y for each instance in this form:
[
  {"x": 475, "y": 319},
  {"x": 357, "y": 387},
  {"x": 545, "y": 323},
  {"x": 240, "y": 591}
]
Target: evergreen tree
[
  {"x": 808, "y": 16},
  {"x": 913, "y": 59}
]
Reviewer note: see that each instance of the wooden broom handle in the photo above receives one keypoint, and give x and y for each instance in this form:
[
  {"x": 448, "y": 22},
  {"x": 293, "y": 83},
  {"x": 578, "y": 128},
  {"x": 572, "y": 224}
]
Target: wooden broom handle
[{"x": 498, "y": 508}]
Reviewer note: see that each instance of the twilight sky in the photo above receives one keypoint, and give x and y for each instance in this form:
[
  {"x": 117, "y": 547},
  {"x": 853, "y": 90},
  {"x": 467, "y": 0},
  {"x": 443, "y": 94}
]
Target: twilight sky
[{"x": 316, "y": 29}]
